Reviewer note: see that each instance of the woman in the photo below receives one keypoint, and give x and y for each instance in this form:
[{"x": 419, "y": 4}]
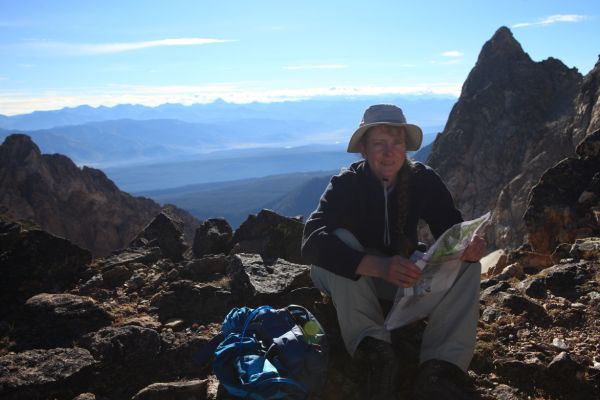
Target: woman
[{"x": 360, "y": 238}]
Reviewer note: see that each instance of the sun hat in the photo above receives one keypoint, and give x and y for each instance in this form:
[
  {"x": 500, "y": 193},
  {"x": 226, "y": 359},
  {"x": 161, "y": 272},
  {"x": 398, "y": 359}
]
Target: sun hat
[{"x": 386, "y": 114}]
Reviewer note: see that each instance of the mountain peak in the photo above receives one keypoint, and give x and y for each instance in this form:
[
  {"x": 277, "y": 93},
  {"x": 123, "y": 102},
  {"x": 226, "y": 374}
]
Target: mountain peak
[
  {"x": 502, "y": 46},
  {"x": 16, "y": 148}
]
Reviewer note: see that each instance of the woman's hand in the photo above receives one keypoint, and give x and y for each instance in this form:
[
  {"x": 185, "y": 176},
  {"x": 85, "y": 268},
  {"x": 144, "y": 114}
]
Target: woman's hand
[
  {"x": 475, "y": 251},
  {"x": 396, "y": 270},
  {"x": 402, "y": 272}
]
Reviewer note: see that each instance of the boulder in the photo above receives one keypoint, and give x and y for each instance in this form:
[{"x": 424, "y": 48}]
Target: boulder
[
  {"x": 193, "y": 302},
  {"x": 45, "y": 374},
  {"x": 270, "y": 235},
  {"x": 59, "y": 319},
  {"x": 34, "y": 261},
  {"x": 206, "y": 268},
  {"x": 254, "y": 280},
  {"x": 123, "y": 345},
  {"x": 166, "y": 232},
  {"x": 212, "y": 237}
]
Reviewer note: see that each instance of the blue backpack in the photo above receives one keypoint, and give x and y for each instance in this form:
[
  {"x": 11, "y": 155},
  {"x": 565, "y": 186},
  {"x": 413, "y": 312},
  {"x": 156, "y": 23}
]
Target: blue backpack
[{"x": 271, "y": 353}]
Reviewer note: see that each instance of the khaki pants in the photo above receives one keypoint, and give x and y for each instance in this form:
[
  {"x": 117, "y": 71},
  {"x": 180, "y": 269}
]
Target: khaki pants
[{"x": 452, "y": 325}]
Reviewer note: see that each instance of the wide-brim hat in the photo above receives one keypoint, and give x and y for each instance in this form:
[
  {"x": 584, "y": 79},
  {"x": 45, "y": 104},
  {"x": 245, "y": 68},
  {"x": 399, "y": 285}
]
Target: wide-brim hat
[{"x": 386, "y": 114}]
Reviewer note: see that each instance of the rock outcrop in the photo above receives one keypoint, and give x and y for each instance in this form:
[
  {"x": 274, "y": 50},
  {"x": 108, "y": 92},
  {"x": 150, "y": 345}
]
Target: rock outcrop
[
  {"x": 33, "y": 261},
  {"x": 80, "y": 204},
  {"x": 513, "y": 121},
  {"x": 565, "y": 204}
]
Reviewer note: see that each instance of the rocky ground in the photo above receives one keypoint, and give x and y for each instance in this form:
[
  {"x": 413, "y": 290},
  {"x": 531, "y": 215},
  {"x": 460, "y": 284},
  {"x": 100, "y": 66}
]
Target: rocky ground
[{"x": 135, "y": 324}]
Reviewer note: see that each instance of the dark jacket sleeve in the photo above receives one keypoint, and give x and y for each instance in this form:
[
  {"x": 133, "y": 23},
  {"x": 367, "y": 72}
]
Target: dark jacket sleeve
[
  {"x": 439, "y": 211},
  {"x": 337, "y": 209}
]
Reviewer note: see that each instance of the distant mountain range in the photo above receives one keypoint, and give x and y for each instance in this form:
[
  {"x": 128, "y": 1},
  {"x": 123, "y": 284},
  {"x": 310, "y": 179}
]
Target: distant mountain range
[{"x": 134, "y": 134}]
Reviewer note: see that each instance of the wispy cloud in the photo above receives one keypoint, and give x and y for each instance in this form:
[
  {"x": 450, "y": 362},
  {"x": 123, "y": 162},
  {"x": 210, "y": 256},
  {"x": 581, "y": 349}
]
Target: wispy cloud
[
  {"x": 317, "y": 66},
  {"x": 21, "y": 102},
  {"x": 452, "y": 53},
  {"x": 107, "y": 48},
  {"x": 552, "y": 19}
]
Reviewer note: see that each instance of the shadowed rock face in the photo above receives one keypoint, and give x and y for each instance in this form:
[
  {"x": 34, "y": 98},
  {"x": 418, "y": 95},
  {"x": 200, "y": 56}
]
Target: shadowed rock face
[
  {"x": 565, "y": 204},
  {"x": 33, "y": 261},
  {"x": 509, "y": 125},
  {"x": 82, "y": 205}
]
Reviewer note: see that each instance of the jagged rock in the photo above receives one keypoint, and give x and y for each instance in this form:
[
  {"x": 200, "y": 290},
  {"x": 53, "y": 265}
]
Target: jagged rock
[
  {"x": 213, "y": 237},
  {"x": 564, "y": 367},
  {"x": 58, "y": 319},
  {"x": 127, "y": 257},
  {"x": 529, "y": 261},
  {"x": 45, "y": 374},
  {"x": 166, "y": 232},
  {"x": 125, "y": 345},
  {"x": 534, "y": 287},
  {"x": 115, "y": 276},
  {"x": 519, "y": 304},
  {"x": 490, "y": 314},
  {"x": 34, "y": 261},
  {"x": 82, "y": 205},
  {"x": 191, "y": 301},
  {"x": 511, "y": 271},
  {"x": 205, "y": 268},
  {"x": 494, "y": 289},
  {"x": 253, "y": 279},
  {"x": 562, "y": 280},
  {"x": 561, "y": 252},
  {"x": 181, "y": 352},
  {"x": 505, "y": 130},
  {"x": 196, "y": 389},
  {"x": 270, "y": 235},
  {"x": 586, "y": 249},
  {"x": 190, "y": 223},
  {"x": 554, "y": 214}
]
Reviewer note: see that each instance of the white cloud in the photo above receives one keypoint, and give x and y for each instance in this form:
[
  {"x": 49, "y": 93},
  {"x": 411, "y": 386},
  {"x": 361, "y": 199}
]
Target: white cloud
[
  {"x": 317, "y": 66},
  {"x": 452, "y": 53},
  {"x": 20, "y": 103},
  {"x": 552, "y": 19},
  {"x": 106, "y": 48}
]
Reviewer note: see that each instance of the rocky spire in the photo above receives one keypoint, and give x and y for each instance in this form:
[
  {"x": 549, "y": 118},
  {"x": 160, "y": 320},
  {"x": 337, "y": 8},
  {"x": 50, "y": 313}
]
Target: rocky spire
[{"x": 509, "y": 125}]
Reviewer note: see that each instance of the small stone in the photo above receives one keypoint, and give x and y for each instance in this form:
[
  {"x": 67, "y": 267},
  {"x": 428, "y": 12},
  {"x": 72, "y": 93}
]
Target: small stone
[
  {"x": 560, "y": 344},
  {"x": 175, "y": 324}
]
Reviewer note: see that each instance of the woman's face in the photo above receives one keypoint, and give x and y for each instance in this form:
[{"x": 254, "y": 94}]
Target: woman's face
[{"x": 385, "y": 151}]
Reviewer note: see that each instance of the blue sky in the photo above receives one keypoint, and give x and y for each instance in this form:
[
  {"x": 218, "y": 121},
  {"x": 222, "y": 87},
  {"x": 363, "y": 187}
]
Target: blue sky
[{"x": 66, "y": 53}]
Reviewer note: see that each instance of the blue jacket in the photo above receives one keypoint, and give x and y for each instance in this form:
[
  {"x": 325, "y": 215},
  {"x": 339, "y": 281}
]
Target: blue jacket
[{"x": 354, "y": 200}]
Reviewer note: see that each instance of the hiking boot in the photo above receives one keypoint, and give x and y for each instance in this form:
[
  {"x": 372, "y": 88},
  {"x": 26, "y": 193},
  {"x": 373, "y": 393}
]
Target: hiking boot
[
  {"x": 438, "y": 379},
  {"x": 382, "y": 366}
]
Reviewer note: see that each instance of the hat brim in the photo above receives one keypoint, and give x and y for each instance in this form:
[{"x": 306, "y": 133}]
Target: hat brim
[{"x": 414, "y": 136}]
